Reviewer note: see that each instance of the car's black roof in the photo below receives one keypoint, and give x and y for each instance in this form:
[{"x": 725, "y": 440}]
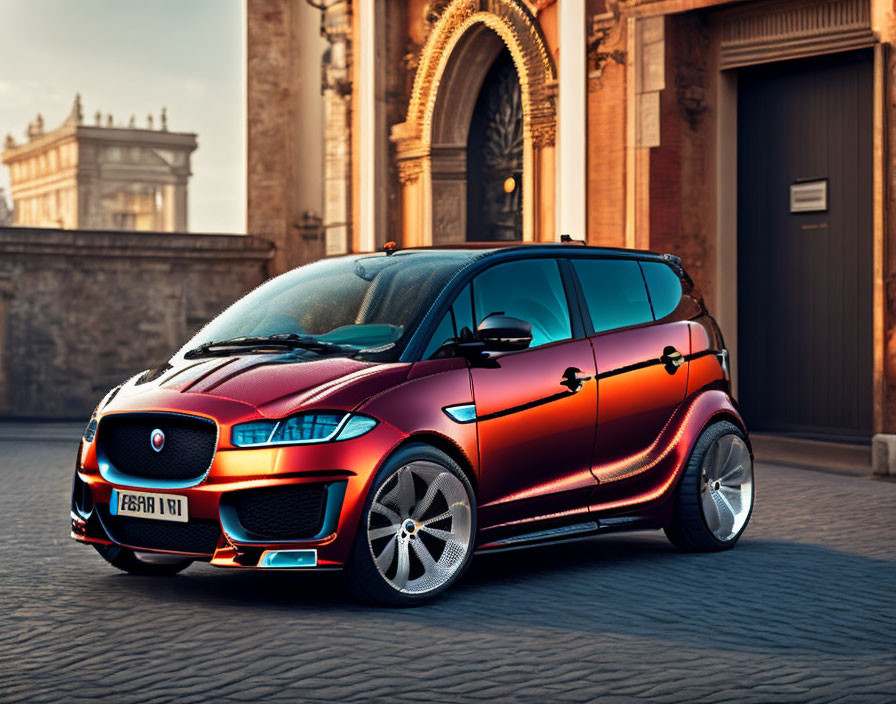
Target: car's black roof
[{"x": 477, "y": 250}]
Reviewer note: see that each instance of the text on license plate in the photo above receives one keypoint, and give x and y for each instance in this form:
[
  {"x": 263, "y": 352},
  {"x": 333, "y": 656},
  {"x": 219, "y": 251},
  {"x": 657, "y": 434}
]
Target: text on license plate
[{"x": 163, "y": 507}]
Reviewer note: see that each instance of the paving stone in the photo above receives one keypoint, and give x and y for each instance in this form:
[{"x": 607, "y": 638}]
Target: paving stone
[{"x": 802, "y": 610}]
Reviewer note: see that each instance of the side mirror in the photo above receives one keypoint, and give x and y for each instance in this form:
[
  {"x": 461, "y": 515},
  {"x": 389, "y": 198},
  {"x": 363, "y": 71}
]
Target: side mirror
[{"x": 502, "y": 333}]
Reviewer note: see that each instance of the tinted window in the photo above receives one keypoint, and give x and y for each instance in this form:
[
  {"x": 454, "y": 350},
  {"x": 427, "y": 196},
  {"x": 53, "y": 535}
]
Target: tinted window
[
  {"x": 443, "y": 333},
  {"x": 614, "y": 291},
  {"x": 463, "y": 311},
  {"x": 451, "y": 326},
  {"x": 664, "y": 287},
  {"x": 364, "y": 302},
  {"x": 530, "y": 290}
]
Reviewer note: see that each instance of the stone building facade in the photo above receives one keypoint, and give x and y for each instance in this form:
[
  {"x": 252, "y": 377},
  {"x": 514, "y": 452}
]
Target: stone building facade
[
  {"x": 100, "y": 176},
  {"x": 756, "y": 139}
]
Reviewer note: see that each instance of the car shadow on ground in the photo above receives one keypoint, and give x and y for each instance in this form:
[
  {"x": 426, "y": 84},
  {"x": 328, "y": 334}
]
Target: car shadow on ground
[{"x": 756, "y": 598}]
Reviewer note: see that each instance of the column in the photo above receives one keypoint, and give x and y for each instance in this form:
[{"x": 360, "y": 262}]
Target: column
[
  {"x": 571, "y": 119},
  {"x": 367, "y": 125}
]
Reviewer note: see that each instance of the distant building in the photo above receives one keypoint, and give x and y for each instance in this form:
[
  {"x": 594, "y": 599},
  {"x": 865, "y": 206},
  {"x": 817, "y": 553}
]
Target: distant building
[{"x": 102, "y": 176}]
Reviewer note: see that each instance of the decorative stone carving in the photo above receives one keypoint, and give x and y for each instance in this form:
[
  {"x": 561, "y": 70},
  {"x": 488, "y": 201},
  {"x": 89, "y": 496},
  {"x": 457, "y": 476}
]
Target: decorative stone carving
[
  {"x": 76, "y": 116},
  {"x": 409, "y": 170},
  {"x": 605, "y": 43},
  {"x": 792, "y": 30},
  {"x": 514, "y": 24},
  {"x": 36, "y": 128}
]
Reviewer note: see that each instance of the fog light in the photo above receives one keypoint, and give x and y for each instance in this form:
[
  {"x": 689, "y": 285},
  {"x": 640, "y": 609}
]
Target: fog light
[{"x": 288, "y": 559}]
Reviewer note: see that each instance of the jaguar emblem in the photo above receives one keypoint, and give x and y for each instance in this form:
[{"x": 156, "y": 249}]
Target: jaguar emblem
[{"x": 157, "y": 440}]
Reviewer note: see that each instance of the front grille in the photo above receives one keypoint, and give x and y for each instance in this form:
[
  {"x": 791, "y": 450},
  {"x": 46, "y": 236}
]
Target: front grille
[
  {"x": 278, "y": 513},
  {"x": 197, "y": 536},
  {"x": 186, "y": 454}
]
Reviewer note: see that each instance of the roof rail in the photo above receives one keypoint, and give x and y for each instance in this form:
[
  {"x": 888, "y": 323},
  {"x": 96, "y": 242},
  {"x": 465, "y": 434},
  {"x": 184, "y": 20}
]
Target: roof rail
[{"x": 567, "y": 239}]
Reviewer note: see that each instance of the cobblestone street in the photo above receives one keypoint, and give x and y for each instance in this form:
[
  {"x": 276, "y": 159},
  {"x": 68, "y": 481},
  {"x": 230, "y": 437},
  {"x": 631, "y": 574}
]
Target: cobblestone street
[{"x": 804, "y": 609}]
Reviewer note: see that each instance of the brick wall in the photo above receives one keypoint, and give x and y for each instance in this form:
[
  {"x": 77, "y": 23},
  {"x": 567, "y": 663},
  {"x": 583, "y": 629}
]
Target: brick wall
[{"x": 81, "y": 311}]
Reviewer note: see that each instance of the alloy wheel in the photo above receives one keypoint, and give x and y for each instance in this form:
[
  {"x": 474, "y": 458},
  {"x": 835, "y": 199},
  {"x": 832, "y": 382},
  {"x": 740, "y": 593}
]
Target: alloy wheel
[
  {"x": 726, "y": 489},
  {"x": 419, "y": 527}
]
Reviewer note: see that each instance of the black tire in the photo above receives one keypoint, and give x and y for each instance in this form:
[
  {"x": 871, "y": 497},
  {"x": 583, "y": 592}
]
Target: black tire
[
  {"x": 129, "y": 561},
  {"x": 688, "y": 530},
  {"x": 361, "y": 573}
]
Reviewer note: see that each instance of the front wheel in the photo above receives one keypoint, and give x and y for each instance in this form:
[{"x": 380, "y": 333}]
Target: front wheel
[
  {"x": 417, "y": 529},
  {"x": 146, "y": 564},
  {"x": 715, "y": 496}
]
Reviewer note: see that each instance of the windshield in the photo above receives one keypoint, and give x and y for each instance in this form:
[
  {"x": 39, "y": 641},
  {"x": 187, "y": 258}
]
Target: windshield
[{"x": 368, "y": 305}]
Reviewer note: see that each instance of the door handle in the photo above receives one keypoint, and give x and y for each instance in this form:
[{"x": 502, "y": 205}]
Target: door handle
[
  {"x": 672, "y": 359},
  {"x": 574, "y": 379}
]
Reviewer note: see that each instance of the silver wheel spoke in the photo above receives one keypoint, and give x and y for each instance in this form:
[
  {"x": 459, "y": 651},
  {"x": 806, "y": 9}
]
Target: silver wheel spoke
[
  {"x": 436, "y": 519},
  {"x": 726, "y": 514},
  {"x": 710, "y": 465},
  {"x": 429, "y": 564},
  {"x": 729, "y": 442},
  {"x": 443, "y": 535},
  {"x": 384, "y": 561},
  {"x": 375, "y": 533},
  {"x": 431, "y": 493},
  {"x": 711, "y": 512},
  {"x": 404, "y": 565},
  {"x": 405, "y": 491},
  {"x": 390, "y": 515},
  {"x": 732, "y": 476}
]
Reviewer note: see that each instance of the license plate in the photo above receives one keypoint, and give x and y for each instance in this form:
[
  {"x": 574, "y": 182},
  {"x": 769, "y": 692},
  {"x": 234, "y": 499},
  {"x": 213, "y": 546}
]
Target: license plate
[{"x": 161, "y": 507}]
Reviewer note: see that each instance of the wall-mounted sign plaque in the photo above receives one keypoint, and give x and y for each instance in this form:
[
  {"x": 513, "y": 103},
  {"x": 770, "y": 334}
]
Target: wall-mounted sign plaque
[{"x": 809, "y": 196}]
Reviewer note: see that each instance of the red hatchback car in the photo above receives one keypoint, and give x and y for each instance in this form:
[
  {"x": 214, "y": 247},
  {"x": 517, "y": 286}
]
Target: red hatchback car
[{"x": 389, "y": 414}]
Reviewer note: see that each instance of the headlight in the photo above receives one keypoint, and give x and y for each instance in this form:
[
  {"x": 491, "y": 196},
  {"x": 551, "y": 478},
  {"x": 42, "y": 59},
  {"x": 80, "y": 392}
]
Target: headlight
[
  {"x": 302, "y": 429},
  {"x": 90, "y": 430}
]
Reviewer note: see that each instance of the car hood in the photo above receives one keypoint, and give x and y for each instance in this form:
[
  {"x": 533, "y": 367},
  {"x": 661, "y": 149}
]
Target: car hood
[{"x": 275, "y": 385}]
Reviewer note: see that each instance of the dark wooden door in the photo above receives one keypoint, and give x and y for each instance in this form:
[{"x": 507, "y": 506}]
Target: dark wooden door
[
  {"x": 495, "y": 157},
  {"x": 805, "y": 278}
]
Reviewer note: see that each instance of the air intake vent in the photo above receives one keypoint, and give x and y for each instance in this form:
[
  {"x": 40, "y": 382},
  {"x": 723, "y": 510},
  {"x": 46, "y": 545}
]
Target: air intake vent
[
  {"x": 197, "y": 537},
  {"x": 282, "y": 513}
]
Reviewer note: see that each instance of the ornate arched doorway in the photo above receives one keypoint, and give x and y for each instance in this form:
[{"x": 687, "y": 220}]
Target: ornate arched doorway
[{"x": 469, "y": 68}]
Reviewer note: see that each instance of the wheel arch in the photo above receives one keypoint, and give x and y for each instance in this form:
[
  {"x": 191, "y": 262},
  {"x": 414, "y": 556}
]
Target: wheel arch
[
  {"x": 734, "y": 419},
  {"x": 449, "y": 447}
]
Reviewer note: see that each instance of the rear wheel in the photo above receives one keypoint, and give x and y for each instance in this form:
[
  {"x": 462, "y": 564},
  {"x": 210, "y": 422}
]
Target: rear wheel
[
  {"x": 147, "y": 564},
  {"x": 417, "y": 530},
  {"x": 715, "y": 496}
]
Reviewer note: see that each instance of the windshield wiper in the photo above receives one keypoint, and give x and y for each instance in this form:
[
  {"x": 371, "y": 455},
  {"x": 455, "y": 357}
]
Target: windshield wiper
[{"x": 284, "y": 341}]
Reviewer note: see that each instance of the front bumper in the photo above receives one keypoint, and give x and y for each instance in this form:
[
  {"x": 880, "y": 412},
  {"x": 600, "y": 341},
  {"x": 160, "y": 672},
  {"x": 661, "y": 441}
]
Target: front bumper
[{"x": 343, "y": 469}]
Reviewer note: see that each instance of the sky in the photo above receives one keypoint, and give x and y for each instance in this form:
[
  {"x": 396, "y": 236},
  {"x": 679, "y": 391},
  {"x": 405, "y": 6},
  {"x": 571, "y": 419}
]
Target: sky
[{"x": 132, "y": 57}]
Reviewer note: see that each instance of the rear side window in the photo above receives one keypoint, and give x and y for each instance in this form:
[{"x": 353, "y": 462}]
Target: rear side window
[
  {"x": 614, "y": 292},
  {"x": 530, "y": 289},
  {"x": 664, "y": 287}
]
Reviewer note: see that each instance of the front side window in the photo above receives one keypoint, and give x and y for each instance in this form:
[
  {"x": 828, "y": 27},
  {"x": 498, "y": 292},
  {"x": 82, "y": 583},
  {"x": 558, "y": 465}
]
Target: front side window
[
  {"x": 614, "y": 292},
  {"x": 452, "y": 325},
  {"x": 531, "y": 290}
]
